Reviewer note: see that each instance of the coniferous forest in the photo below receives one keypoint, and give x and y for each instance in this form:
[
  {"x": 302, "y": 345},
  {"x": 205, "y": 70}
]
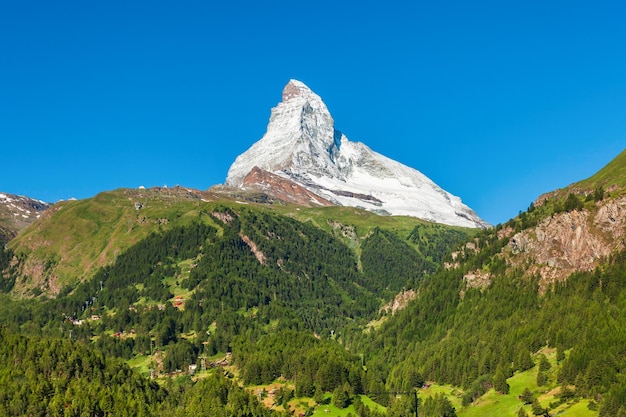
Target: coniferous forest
[{"x": 244, "y": 311}]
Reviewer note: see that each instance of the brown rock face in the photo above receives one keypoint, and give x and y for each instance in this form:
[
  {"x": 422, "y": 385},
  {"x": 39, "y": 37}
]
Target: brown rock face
[
  {"x": 282, "y": 189},
  {"x": 572, "y": 241},
  {"x": 290, "y": 90},
  {"x": 399, "y": 302}
]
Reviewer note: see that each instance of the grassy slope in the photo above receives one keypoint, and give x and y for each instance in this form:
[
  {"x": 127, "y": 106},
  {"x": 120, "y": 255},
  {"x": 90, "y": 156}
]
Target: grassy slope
[
  {"x": 77, "y": 237},
  {"x": 614, "y": 173},
  {"x": 497, "y": 405}
]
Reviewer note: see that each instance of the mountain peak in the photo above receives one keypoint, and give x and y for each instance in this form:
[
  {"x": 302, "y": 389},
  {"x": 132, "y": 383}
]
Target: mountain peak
[
  {"x": 295, "y": 88},
  {"x": 302, "y": 145}
]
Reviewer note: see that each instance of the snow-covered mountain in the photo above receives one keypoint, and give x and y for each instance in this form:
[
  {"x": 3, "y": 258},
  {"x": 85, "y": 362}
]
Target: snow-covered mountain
[
  {"x": 302, "y": 145},
  {"x": 17, "y": 212}
]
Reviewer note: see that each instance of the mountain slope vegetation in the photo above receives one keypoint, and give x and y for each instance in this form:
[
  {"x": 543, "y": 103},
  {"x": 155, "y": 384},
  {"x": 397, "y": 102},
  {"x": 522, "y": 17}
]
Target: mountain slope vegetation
[
  {"x": 202, "y": 296},
  {"x": 485, "y": 315},
  {"x": 209, "y": 278}
]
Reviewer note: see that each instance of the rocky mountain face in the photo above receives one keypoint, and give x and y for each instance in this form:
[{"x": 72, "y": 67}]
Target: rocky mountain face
[
  {"x": 302, "y": 146},
  {"x": 17, "y": 212},
  {"x": 282, "y": 188},
  {"x": 579, "y": 240},
  {"x": 574, "y": 229}
]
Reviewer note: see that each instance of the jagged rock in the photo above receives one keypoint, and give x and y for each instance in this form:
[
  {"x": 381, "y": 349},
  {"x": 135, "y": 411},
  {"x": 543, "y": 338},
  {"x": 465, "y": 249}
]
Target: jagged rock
[
  {"x": 399, "y": 302},
  {"x": 281, "y": 188},
  {"x": 572, "y": 241}
]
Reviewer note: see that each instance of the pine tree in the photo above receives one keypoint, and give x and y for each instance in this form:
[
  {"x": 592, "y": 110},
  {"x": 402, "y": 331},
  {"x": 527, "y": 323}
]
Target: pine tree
[
  {"x": 499, "y": 381},
  {"x": 536, "y": 408},
  {"x": 544, "y": 364},
  {"x": 341, "y": 398},
  {"x": 542, "y": 378},
  {"x": 318, "y": 397},
  {"x": 527, "y": 396}
]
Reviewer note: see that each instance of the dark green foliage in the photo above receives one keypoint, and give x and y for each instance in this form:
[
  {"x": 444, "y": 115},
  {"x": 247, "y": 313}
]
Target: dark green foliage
[
  {"x": 115, "y": 347},
  {"x": 615, "y": 402},
  {"x": 480, "y": 386},
  {"x": 499, "y": 381},
  {"x": 60, "y": 377},
  {"x": 542, "y": 378},
  {"x": 8, "y": 270},
  {"x": 437, "y": 406},
  {"x": 318, "y": 396},
  {"x": 312, "y": 363},
  {"x": 283, "y": 396},
  {"x": 57, "y": 376},
  {"x": 216, "y": 396},
  {"x": 544, "y": 365},
  {"x": 537, "y": 409},
  {"x": 179, "y": 356},
  {"x": 597, "y": 195},
  {"x": 527, "y": 396},
  {"x": 434, "y": 241},
  {"x": 572, "y": 203},
  {"x": 390, "y": 263},
  {"x": 523, "y": 360},
  {"x": 297, "y": 269},
  {"x": 341, "y": 397}
]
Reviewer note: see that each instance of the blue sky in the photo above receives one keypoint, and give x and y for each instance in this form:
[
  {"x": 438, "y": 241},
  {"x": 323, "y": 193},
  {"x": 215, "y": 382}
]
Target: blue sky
[{"x": 497, "y": 102}]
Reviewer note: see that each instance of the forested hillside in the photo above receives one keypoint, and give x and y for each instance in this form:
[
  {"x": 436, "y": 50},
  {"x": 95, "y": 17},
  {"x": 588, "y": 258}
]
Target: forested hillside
[
  {"x": 194, "y": 300},
  {"x": 475, "y": 333},
  {"x": 270, "y": 295},
  {"x": 55, "y": 377}
]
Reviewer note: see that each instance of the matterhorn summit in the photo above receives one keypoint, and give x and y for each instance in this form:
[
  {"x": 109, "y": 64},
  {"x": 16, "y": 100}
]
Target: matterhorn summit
[{"x": 302, "y": 146}]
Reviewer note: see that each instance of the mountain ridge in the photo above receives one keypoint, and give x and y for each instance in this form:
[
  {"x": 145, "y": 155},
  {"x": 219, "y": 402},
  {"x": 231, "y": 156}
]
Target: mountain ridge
[{"x": 18, "y": 212}]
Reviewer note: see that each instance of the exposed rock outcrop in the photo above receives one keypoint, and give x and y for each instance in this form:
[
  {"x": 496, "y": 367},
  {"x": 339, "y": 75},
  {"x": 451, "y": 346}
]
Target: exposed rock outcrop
[
  {"x": 572, "y": 241},
  {"x": 281, "y": 188}
]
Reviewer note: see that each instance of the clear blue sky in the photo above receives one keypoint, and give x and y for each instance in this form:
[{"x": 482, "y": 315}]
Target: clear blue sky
[{"x": 497, "y": 102}]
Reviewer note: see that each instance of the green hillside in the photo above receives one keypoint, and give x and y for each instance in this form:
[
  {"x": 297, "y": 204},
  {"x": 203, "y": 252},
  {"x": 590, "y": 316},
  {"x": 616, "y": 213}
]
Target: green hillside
[
  {"x": 183, "y": 281},
  {"x": 473, "y": 337},
  {"x": 75, "y": 238},
  {"x": 186, "y": 303},
  {"x": 612, "y": 176}
]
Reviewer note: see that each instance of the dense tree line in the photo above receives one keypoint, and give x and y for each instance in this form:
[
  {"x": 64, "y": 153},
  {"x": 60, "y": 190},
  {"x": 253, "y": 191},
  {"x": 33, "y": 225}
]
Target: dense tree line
[
  {"x": 297, "y": 268},
  {"x": 55, "y": 377},
  {"x": 476, "y": 338},
  {"x": 390, "y": 264},
  {"x": 260, "y": 284},
  {"x": 434, "y": 241},
  {"x": 309, "y": 362},
  {"x": 58, "y": 377}
]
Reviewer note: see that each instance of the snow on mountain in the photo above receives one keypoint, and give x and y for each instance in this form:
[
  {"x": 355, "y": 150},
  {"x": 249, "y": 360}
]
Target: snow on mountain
[
  {"x": 17, "y": 212},
  {"x": 302, "y": 145}
]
